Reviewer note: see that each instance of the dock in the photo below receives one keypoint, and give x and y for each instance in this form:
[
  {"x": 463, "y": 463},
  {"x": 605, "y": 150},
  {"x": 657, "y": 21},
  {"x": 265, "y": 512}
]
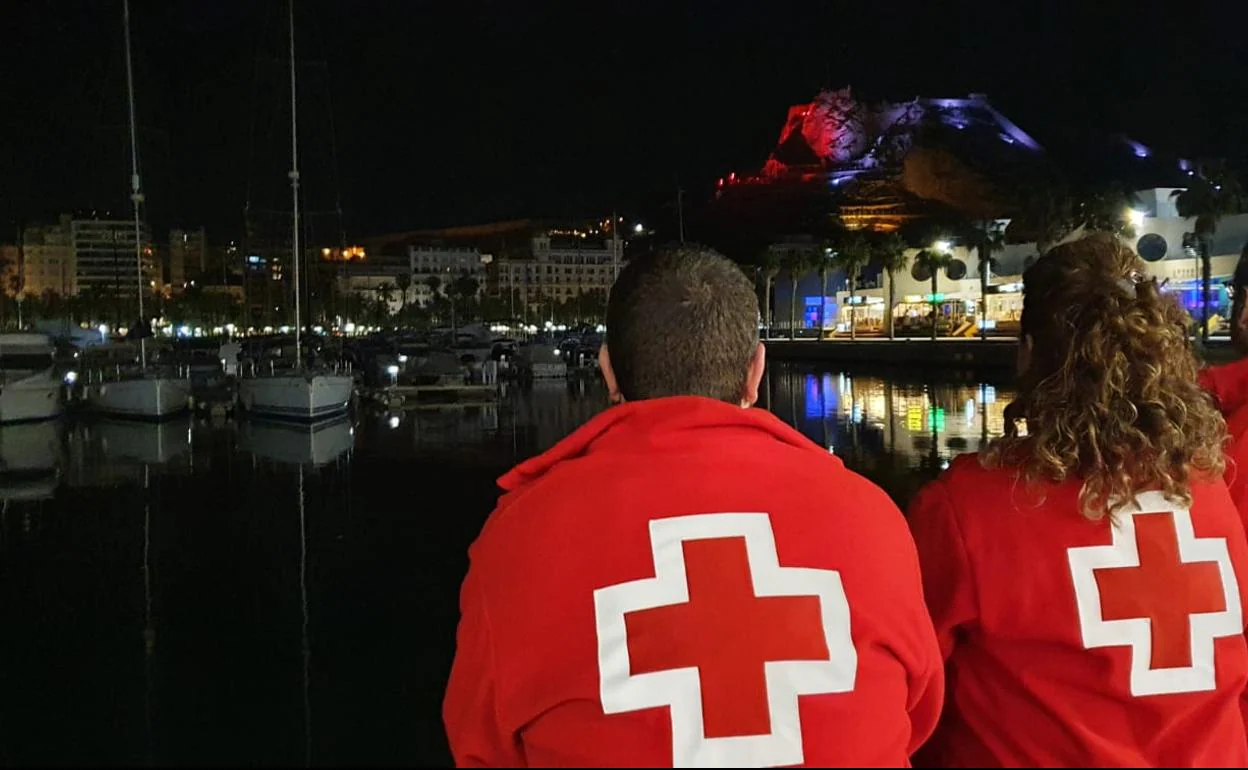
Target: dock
[
  {"x": 994, "y": 353},
  {"x": 448, "y": 395}
]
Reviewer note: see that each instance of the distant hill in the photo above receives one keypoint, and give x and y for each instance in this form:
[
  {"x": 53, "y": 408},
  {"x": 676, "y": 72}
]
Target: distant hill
[{"x": 911, "y": 165}]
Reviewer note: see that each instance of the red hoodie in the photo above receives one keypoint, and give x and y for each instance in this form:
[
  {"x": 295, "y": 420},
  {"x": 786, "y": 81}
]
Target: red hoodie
[
  {"x": 1078, "y": 643},
  {"x": 1228, "y": 384},
  {"x": 685, "y": 582}
]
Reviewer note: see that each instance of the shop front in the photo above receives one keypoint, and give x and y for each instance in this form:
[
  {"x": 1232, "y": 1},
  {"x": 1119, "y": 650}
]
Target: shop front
[
  {"x": 1004, "y": 308},
  {"x": 955, "y": 316},
  {"x": 865, "y": 313}
]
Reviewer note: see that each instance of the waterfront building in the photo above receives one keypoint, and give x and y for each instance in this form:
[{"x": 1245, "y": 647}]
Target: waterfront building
[
  {"x": 48, "y": 259},
  {"x": 1159, "y": 238},
  {"x": 266, "y": 290},
  {"x": 565, "y": 264},
  {"x": 104, "y": 254},
  {"x": 528, "y": 267},
  {"x": 187, "y": 256},
  {"x": 78, "y": 254},
  {"x": 404, "y": 280},
  {"x": 10, "y": 269},
  {"x": 446, "y": 264}
]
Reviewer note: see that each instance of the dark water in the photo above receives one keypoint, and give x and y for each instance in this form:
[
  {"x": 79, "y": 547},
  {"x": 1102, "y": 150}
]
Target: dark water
[{"x": 200, "y": 593}]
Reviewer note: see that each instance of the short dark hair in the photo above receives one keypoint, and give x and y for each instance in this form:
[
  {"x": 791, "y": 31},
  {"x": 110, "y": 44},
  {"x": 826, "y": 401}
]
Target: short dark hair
[{"x": 682, "y": 322}]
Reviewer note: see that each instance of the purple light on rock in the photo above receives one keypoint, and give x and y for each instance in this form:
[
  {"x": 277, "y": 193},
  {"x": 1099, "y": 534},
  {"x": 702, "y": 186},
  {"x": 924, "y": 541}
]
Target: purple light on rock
[{"x": 1137, "y": 149}]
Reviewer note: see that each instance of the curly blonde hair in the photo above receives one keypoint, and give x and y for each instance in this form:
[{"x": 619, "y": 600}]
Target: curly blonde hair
[{"x": 1110, "y": 396}]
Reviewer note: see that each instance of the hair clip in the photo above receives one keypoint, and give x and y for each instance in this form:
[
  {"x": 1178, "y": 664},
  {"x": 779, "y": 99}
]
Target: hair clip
[{"x": 1129, "y": 284}]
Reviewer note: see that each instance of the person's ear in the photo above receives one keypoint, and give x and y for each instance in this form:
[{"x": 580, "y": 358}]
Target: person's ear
[
  {"x": 754, "y": 376},
  {"x": 608, "y": 375}
]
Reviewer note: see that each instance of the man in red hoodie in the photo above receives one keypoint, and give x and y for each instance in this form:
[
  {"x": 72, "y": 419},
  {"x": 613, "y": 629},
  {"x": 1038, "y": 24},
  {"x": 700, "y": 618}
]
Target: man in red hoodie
[{"x": 688, "y": 581}]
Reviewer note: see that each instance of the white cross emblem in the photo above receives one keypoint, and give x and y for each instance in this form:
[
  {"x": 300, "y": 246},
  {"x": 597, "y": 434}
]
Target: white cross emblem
[
  {"x": 1119, "y": 630},
  {"x": 680, "y": 686}
]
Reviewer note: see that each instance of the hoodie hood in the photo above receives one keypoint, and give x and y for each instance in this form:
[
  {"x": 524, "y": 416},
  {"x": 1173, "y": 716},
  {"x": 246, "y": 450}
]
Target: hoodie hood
[{"x": 654, "y": 423}]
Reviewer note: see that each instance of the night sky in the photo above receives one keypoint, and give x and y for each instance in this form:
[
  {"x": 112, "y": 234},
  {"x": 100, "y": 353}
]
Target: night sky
[{"x": 456, "y": 113}]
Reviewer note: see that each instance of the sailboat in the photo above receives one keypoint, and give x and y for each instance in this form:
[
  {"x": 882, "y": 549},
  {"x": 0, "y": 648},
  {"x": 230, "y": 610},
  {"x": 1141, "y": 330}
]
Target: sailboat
[
  {"x": 302, "y": 394},
  {"x": 145, "y": 393}
]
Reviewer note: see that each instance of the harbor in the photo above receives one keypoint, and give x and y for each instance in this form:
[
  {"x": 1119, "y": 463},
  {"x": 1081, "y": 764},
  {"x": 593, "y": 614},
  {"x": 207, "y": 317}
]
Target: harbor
[{"x": 240, "y": 591}]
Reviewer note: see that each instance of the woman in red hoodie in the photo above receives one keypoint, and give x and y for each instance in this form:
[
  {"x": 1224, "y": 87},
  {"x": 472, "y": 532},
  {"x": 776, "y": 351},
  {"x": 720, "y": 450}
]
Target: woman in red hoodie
[{"x": 1086, "y": 572}]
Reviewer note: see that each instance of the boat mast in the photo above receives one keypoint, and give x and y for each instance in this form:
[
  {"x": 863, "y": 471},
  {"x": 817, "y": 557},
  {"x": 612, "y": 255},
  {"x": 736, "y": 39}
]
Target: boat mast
[
  {"x": 136, "y": 194},
  {"x": 294, "y": 187}
]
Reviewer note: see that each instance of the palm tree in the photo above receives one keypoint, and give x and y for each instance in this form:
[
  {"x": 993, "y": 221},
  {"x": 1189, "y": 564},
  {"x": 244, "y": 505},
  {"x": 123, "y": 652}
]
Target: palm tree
[
  {"x": 465, "y": 287},
  {"x": 890, "y": 253},
  {"x": 769, "y": 268},
  {"x": 404, "y": 282},
  {"x": 852, "y": 257},
  {"x": 825, "y": 265},
  {"x": 435, "y": 284},
  {"x": 986, "y": 237},
  {"x": 1213, "y": 194},
  {"x": 1105, "y": 209},
  {"x": 933, "y": 260},
  {"x": 385, "y": 293},
  {"x": 1051, "y": 212},
  {"x": 797, "y": 263}
]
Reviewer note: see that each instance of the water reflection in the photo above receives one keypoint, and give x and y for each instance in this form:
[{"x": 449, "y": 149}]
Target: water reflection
[
  {"x": 300, "y": 447},
  {"x": 297, "y": 444},
  {"x": 898, "y": 432},
  {"x": 31, "y": 461},
  {"x": 525, "y": 421},
  {"x": 241, "y": 592}
]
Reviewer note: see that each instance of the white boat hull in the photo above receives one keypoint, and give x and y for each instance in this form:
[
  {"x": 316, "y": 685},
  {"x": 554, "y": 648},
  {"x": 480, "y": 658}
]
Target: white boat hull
[
  {"x": 150, "y": 398},
  {"x": 37, "y": 397},
  {"x": 301, "y": 397}
]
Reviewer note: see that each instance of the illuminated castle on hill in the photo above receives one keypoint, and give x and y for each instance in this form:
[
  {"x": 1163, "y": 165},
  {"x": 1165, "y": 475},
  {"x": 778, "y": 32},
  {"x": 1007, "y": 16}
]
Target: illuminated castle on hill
[{"x": 883, "y": 165}]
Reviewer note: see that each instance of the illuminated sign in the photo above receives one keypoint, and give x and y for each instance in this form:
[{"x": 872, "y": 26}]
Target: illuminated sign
[{"x": 914, "y": 418}]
